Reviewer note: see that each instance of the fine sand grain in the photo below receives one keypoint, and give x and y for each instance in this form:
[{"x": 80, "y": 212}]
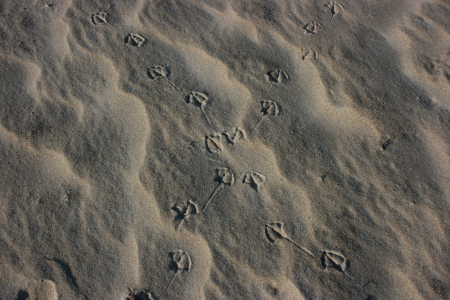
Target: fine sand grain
[{"x": 241, "y": 149}]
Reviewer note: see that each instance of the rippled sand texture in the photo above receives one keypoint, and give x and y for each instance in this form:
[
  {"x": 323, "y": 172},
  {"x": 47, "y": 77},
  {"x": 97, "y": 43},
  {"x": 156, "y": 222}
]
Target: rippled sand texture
[{"x": 224, "y": 149}]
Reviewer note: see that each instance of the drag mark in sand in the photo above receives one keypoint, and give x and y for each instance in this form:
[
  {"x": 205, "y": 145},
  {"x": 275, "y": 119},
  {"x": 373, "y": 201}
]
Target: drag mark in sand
[{"x": 275, "y": 231}]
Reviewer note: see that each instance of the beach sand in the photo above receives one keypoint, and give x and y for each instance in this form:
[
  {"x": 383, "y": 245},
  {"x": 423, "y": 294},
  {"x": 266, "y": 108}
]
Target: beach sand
[{"x": 242, "y": 149}]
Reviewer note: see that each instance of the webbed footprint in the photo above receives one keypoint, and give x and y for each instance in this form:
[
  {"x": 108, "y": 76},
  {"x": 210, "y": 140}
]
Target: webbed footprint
[
  {"x": 312, "y": 27},
  {"x": 224, "y": 177},
  {"x": 99, "y": 18},
  {"x": 268, "y": 108},
  {"x": 254, "y": 179},
  {"x": 181, "y": 261},
  {"x": 134, "y": 39},
  {"x": 213, "y": 142},
  {"x": 335, "y": 8},
  {"x": 235, "y": 134},
  {"x": 160, "y": 72},
  {"x": 335, "y": 260},
  {"x": 308, "y": 53},
  {"x": 277, "y": 76},
  {"x": 184, "y": 211}
]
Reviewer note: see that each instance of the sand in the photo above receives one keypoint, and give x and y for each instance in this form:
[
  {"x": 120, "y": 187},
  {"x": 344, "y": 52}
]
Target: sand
[{"x": 242, "y": 149}]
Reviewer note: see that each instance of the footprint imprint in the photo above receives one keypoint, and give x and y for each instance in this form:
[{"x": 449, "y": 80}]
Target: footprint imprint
[
  {"x": 308, "y": 53},
  {"x": 160, "y": 72},
  {"x": 134, "y": 39},
  {"x": 138, "y": 295},
  {"x": 199, "y": 100},
  {"x": 277, "y": 76},
  {"x": 235, "y": 134},
  {"x": 184, "y": 211},
  {"x": 99, "y": 18},
  {"x": 312, "y": 27},
  {"x": 335, "y": 8},
  {"x": 254, "y": 179},
  {"x": 386, "y": 144},
  {"x": 275, "y": 231},
  {"x": 181, "y": 261},
  {"x": 437, "y": 66},
  {"x": 224, "y": 177},
  {"x": 332, "y": 259},
  {"x": 213, "y": 142},
  {"x": 157, "y": 72},
  {"x": 268, "y": 108}
]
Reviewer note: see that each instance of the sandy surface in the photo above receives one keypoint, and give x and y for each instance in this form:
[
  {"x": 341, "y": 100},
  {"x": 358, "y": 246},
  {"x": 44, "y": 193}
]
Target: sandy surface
[{"x": 246, "y": 149}]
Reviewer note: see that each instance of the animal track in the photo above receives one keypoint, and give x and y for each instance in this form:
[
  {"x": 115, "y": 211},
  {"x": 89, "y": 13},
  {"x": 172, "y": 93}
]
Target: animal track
[
  {"x": 160, "y": 72},
  {"x": 308, "y": 53},
  {"x": 386, "y": 144},
  {"x": 199, "y": 100},
  {"x": 275, "y": 231},
  {"x": 335, "y": 8},
  {"x": 437, "y": 66},
  {"x": 224, "y": 177},
  {"x": 138, "y": 295},
  {"x": 277, "y": 76},
  {"x": 332, "y": 259},
  {"x": 181, "y": 261},
  {"x": 213, "y": 142},
  {"x": 312, "y": 27},
  {"x": 184, "y": 211},
  {"x": 268, "y": 108},
  {"x": 99, "y": 18},
  {"x": 254, "y": 179},
  {"x": 134, "y": 39},
  {"x": 157, "y": 72},
  {"x": 235, "y": 134}
]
